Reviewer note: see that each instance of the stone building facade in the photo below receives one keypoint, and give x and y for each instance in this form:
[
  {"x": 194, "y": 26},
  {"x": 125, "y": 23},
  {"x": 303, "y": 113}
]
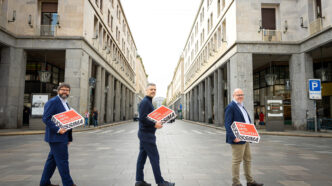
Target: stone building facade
[
  {"x": 141, "y": 83},
  {"x": 86, "y": 43},
  {"x": 265, "y": 47},
  {"x": 174, "y": 95}
]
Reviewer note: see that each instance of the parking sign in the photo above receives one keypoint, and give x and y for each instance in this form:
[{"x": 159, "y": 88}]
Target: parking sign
[{"x": 315, "y": 91}]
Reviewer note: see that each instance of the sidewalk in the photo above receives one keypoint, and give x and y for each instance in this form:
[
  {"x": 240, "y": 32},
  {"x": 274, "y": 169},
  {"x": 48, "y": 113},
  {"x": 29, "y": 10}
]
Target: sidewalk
[
  {"x": 27, "y": 131},
  {"x": 300, "y": 133}
]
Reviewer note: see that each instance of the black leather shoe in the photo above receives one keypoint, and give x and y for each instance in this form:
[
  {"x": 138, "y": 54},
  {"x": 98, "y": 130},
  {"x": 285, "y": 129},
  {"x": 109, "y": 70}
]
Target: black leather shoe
[
  {"x": 255, "y": 184},
  {"x": 142, "y": 183},
  {"x": 166, "y": 183},
  {"x": 52, "y": 185}
]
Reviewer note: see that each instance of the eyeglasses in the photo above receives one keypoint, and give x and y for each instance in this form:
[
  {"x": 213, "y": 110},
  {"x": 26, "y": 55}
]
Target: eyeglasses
[
  {"x": 65, "y": 90},
  {"x": 240, "y": 95}
]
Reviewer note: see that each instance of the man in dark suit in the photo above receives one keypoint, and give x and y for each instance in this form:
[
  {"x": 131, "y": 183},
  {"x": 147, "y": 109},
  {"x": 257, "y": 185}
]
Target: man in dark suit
[
  {"x": 147, "y": 138},
  {"x": 235, "y": 111},
  {"x": 58, "y": 139}
]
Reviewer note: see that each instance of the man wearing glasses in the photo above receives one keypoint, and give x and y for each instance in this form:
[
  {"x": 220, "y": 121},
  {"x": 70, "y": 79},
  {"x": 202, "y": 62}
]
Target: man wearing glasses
[
  {"x": 235, "y": 111},
  {"x": 57, "y": 138}
]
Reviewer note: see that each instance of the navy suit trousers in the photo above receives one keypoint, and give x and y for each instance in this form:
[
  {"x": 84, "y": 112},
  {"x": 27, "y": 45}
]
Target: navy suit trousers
[
  {"x": 148, "y": 149},
  {"x": 58, "y": 157}
]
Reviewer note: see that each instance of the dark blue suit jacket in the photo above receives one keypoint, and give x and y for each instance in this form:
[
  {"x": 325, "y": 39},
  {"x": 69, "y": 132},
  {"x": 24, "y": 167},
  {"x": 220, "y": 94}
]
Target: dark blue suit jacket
[
  {"x": 52, "y": 107},
  {"x": 146, "y": 132},
  {"x": 233, "y": 113}
]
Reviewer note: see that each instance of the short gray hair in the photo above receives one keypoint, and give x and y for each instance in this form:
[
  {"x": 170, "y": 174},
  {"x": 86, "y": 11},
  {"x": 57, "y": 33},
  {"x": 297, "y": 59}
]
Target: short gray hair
[
  {"x": 150, "y": 84},
  {"x": 235, "y": 90},
  {"x": 63, "y": 85}
]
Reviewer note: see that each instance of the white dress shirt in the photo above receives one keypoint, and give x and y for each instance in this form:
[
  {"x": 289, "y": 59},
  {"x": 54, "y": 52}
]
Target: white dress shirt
[{"x": 64, "y": 103}]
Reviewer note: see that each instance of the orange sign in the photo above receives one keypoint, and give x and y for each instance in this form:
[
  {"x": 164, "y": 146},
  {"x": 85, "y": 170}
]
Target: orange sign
[
  {"x": 69, "y": 119},
  {"x": 245, "y": 132},
  {"x": 163, "y": 114}
]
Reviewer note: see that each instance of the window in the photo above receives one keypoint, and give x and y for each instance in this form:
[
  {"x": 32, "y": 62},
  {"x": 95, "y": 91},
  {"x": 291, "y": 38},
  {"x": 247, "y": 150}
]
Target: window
[
  {"x": 108, "y": 18},
  {"x": 117, "y": 12},
  {"x": 112, "y": 2},
  {"x": 269, "y": 18},
  {"x": 211, "y": 18},
  {"x": 218, "y": 8},
  {"x": 49, "y": 18},
  {"x": 101, "y": 6},
  {"x": 97, "y": 2},
  {"x": 318, "y": 8},
  {"x": 208, "y": 25},
  {"x": 111, "y": 23}
]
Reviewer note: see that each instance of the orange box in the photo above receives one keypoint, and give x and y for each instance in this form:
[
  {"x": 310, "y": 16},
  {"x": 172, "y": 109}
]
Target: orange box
[
  {"x": 245, "y": 132},
  {"x": 69, "y": 119}
]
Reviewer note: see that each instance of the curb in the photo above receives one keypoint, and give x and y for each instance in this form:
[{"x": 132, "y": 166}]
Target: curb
[
  {"x": 22, "y": 133},
  {"x": 264, "y": 132}
]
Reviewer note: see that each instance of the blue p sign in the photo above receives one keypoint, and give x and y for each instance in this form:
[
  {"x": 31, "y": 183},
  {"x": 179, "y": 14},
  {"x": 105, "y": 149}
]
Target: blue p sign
[{"x": 314, "y": 85}]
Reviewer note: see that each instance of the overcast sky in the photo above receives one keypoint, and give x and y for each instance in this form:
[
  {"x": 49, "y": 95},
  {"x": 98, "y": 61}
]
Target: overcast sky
[{"x": 160, "y": 29}]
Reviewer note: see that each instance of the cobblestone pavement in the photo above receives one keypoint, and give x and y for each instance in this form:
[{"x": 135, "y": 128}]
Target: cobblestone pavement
[{"x": 191, "y": 155}]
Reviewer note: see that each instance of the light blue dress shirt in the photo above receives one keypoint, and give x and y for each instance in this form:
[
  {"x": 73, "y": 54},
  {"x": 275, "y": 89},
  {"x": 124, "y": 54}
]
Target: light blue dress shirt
[{"x": 244, "y": 112}]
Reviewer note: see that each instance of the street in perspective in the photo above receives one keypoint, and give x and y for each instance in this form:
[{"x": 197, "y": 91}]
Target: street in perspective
[{"x": 190, "y": 155}]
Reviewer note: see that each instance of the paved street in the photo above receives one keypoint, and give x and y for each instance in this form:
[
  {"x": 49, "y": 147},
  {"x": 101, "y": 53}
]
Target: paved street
[{"x": 191, "y": 155}]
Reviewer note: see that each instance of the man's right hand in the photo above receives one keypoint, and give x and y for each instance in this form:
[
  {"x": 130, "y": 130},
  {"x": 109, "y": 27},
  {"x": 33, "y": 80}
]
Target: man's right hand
[
  {"x": 237, "y": 140},
  {"x": 158, "y": 125},
  {"x": 62, "y": 131}
]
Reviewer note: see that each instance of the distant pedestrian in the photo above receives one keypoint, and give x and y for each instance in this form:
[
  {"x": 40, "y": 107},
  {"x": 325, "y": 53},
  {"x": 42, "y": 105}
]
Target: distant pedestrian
[
  {"x": 261, "y": 119},
  {"x": 235, "y": 111},
  {"x": 86, "y": 117},
  {"x": 26, "y": 115},
  {"x": 147, "y": 139},
  {"x": 95, "y": 117}
]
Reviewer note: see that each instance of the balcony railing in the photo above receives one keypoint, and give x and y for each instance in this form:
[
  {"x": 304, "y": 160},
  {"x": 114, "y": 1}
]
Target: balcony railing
[
  {"x": 271, "y": 35},
  {"x": 48, "y": 30},
  {"x": 315, "y": 26}
]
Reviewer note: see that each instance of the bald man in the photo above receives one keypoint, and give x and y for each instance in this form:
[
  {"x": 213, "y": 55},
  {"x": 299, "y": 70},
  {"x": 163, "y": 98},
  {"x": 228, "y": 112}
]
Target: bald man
[{"x": 235, "y": 111}]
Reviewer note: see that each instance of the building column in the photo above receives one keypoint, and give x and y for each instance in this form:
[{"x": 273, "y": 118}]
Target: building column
[
  {"x": 98, "y": 93},
  {"x": 186, "y": 106},
  {"x": 215, "y": 98},
  {"x": 221, "y": 95},
  {"x": 208, "y": 100},
  {"x": 117, "y": 108},
  {"x": 191, "y": 104},
  {"x": 196, "y": 104},
  {"x": 110, "y": 100},
  {"x": 127, "y": 103},
  {"x": 241, "y": 76},
  {"x": 102, "y": 103},
  {"x": 12, "y": 82},
  {"x": 200, "y": 102},
  {"x": 300, "y": 70},
  {"x": 123, "y": 102}
]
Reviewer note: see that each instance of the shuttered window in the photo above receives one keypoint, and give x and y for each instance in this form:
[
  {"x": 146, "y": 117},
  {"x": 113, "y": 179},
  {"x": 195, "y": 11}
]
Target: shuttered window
[
  {"x": 269, "y": 18},
  {"x": 50, "y": 7}
]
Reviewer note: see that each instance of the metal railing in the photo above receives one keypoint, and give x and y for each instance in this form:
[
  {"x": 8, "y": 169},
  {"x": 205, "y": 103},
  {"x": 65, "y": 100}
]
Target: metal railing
[
  {"x": 48, "y": 30},
  {"x": 271, "y": 35}
]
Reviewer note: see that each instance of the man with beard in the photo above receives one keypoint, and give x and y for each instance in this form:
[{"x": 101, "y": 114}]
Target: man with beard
[
  {"x": 57, "y": 138},
  {"x": 147, "y": 139}
]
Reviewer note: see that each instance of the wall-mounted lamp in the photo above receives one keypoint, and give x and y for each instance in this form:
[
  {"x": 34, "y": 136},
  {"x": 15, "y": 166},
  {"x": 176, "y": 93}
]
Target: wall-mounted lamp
[
  {"x": 260, "y": 26},
  {"x": 301, "y": 23},
  {"x": 96, "y": 35},
  {"x": 13, "y": 18},
  {"x": 108, "y": 51},
  {"x": 30, "y": 21},
  {"x": 58, "y": 21},
  {"x": 286, "y": 27}
]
